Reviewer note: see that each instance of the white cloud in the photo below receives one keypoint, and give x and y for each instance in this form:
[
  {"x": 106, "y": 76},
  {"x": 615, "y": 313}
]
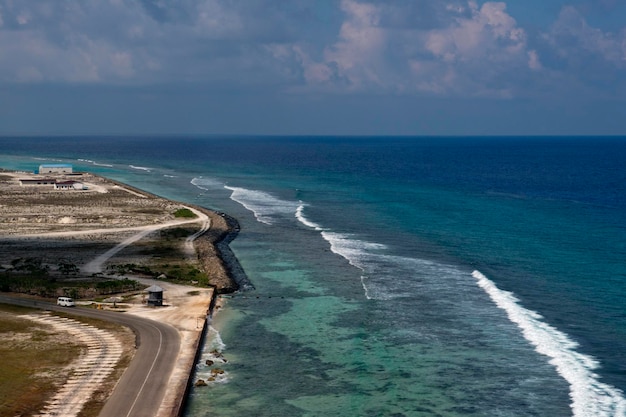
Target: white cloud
[
  {"x": 471, "y": 52},
  {"x": 575, "y": 40},
  {"x": 489, "y": 32},
  {"x": 64, "y": 42},
  {"x": 479, "y": 53},
  {"x": 146, "y": 41},
  {"x": 533, "y": 61},
  {"x": 358, "y": 52},
  {"x": 215, "y": 20},
  {"x": 419, "y": 47}
]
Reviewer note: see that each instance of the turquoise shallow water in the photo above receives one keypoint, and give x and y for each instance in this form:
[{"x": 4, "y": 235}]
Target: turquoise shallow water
[{"x": 398, "y": 276}]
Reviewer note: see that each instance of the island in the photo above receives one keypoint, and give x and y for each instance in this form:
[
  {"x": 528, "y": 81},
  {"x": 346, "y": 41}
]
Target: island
[{"x": 115, "y": 251}]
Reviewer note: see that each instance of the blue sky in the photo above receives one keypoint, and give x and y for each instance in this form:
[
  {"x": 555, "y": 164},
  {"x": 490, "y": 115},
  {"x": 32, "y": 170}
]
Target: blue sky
[{"x": 349, "y": 67}]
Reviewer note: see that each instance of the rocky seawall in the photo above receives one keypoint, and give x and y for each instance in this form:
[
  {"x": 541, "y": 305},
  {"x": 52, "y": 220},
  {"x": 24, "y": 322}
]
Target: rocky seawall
[{"x": 216, "y": 258}]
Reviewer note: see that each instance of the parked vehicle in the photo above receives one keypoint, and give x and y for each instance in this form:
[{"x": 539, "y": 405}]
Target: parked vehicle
[{"x": 65, "y": 302}]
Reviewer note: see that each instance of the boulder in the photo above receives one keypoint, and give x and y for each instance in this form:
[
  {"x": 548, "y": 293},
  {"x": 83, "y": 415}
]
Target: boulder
[{"x": 200, "y": 383}]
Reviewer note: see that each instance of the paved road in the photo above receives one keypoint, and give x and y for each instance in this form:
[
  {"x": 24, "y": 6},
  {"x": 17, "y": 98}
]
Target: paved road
[{"x": 141, "y": 389}]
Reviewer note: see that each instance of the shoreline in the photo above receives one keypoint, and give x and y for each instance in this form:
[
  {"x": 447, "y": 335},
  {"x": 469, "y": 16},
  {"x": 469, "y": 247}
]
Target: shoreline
[
  {"x": 227, "y": 230},
  {"x": 215, "y": 259}
]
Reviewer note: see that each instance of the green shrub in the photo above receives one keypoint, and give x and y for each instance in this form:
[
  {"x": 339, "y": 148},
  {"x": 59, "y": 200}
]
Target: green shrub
[{"x": 184, "y": 213}]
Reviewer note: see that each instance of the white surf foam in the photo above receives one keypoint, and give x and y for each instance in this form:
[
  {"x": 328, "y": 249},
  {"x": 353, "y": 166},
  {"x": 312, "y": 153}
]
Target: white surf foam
[
  {"x": 141, "y": 168},
  {"x": 48, "y": 159},
  {"x": 207, "y": 183},
  {"x": 302, "y": 219},
  {"x": 352, "y": 249},
  {"x": 266, "y": 207},
  {"x": 215, "y": 340},
  {"x": 212, "y": 359},
  {"x": 98, "y": 164},
  {"x": 590, "y": 397},
  {"x": 358, "y": 254}
]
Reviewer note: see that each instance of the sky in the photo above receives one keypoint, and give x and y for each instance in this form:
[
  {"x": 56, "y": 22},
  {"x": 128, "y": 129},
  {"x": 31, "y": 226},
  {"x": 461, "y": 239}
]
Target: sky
[{"x": 304, "y": 67}]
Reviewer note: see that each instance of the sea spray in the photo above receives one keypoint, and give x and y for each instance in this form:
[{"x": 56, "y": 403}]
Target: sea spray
[
  {"x": 590, "y": 397},
  {"x": 212, "y": 362}
]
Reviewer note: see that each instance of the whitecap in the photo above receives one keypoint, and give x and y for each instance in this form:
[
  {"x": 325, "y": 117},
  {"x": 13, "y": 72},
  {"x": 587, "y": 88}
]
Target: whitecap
[
  {"x": 265, "y": 207},
  {"x": 359, "y": 254},
  {"x": 590, "y": 397},
  {"x": 212, "y": 358},
  {"x": 302, "y": 218},
  {"x": 207, "y": 183},
  {"x": 141, "y": 168},
  {"x": 92, "y": 162}
]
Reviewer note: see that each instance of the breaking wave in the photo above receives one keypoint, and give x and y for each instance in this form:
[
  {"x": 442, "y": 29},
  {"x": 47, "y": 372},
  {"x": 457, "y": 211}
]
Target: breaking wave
[
  {"x": 302, "y": 219},
  {"x": 207, "y": 183},
  {"x": 94, "y": 163},
  {"x": 590, "y": 397},
  {"x": 265, "y": 207}
]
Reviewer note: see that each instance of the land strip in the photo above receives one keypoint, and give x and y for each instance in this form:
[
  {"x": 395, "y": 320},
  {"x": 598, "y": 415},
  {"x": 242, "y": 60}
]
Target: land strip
[{"x": 110, "y": 224}]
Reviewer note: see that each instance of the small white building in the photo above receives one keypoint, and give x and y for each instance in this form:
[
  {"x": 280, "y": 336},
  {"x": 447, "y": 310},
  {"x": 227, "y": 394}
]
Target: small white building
[
  {"x": 55, "y": 169},
  {"x": 68, "y": 185}
]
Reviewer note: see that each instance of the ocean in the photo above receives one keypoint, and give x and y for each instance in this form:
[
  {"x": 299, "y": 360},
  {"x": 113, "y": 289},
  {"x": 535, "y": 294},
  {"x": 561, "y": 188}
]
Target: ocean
[{"x": 396, "y": 276}]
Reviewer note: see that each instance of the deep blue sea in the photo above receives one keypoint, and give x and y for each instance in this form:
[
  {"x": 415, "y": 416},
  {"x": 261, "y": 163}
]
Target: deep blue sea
[{"x": 400, "y": 276}]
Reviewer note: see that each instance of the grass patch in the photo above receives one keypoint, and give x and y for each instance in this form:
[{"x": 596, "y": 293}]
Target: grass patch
[
  {"x": 32, "y": 365},
  {"x": 162, "y": 250},
  {"x": 184, "y": 213},
  {"x": 10, "y": 308},
  {"x": 185, "y": 273},
  {"x": 177, "y": 232},
  {"x": 51, "y": 287},
  {"x": 34, "y": 360}
]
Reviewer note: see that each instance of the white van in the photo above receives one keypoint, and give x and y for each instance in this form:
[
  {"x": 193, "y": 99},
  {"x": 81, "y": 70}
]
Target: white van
[{"x": 65, "y": 302}]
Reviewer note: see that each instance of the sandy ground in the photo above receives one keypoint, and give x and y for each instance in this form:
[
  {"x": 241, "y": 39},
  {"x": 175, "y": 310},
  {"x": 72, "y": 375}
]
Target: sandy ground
[{"x": 103, "y": 351}]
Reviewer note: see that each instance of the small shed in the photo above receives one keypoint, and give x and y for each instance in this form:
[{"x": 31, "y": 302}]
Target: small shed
[{"x": 155, "y": 295}]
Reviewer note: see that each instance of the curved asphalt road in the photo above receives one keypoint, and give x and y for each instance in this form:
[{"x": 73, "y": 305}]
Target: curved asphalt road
[{"x": 141, "y": 389}]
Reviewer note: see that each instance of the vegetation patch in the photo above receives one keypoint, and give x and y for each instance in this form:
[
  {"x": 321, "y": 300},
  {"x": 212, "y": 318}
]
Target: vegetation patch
[
  {"x": 32, "y": 365},
  {"x": 164, "y": 249},
  {"x": 34, "y": 362},
  {"x": 184, "y": 213},
  {"x": 177, "y": 232},
  {"x": 175, "y": 272},
  {"x": 46, "y": 286}
]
